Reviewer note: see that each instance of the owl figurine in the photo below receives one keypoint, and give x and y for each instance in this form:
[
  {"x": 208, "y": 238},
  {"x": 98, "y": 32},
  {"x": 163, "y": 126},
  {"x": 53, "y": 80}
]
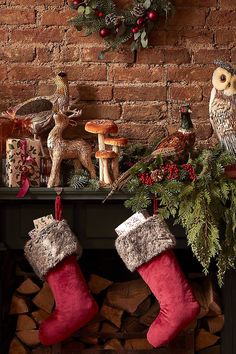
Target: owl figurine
[{"x": 222, "y": 107}]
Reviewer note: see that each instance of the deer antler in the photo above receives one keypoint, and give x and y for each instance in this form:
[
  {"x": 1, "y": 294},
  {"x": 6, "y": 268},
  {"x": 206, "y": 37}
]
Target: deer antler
[
  {"x": 75, "y": 113},
  {"x": 71, "y": 114}
]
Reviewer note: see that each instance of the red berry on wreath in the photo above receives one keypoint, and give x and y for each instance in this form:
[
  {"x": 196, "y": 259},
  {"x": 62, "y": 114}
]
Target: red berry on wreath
[
  {"x": 76, "y": 4},
  {"x": 135, "y": 29},
  {"x": 152, "y": 15},
  {"x": 140, "y": 21},
  {"x": 104, "y": 32},
  {"x": 99, "y": 13}
]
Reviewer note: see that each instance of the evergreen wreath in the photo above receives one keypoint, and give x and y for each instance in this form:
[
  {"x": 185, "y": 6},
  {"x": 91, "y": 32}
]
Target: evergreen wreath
[
  {"x": 117, "y": 26},
  {"x": 199, "y": 196}
]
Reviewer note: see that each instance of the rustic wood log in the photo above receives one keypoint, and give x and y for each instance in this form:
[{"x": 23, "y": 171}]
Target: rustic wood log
[
  {"x": 28, "y": 287},
  {"x": 205, "y": 339},
  {"x": 16, "y": 347},
  {"x": 18, "y": 305},
  {"x": 42, "y": 350},
  {"x": 97, "y": 284},
  {"x": 191, "y": 326},
  {"x": 132, "y": 351},
  {"x": 56, "y": 348},
  {"x": 111, "y": 314},
  {"x": 113, "y": 344},
  {"x": 214, "y": 308},
  {"x": 215, "y": 324},
  {"x": 213, "y": 298},
  {"x": 211, "y": 350},
  {"x": 91, "y": 328},
  {"x": 25, "y": 322},
  {"x": 72, "y": 347},
  {"x": 201, "y": 298},
  {"x": 127, "y": 295},
  {"x": 139, "y": 343},
  {"x": 151, "y": 314},
  {"x": 143, "y": 307},
  {"x": 89, "y": 340},
  {"x": 22, "y": 273},
  {"x": 108, "y": 327},
  {"x": 39, "y": 316},
  {"x": 206, "y": 296},
  {"x": 44, "y": 299},
  {"x": 183, "y": 343},
  {"x": 132, "y": 325},
  {"x": 29, "y": 337},
  {"x": 117, "y": 335}
]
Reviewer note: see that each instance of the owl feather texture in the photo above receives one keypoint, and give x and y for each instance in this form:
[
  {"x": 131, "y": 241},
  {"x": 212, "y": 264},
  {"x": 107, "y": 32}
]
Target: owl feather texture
[{"x": 222, "y": 107}]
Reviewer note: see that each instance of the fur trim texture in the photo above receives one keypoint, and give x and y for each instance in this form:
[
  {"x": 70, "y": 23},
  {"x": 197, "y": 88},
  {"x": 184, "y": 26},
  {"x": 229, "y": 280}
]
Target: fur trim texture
[
  {"x": 147, "y": 240},
  {"x": 50, "y": 245}
]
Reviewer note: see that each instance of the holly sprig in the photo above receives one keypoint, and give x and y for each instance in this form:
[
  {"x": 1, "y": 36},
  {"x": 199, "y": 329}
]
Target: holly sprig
[
  {"x": 199, "y": 196},
  {"x": 117, "y": 26}
]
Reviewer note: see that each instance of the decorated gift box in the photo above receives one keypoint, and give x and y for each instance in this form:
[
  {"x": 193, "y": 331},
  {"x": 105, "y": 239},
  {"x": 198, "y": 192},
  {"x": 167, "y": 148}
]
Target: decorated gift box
[{"x": 23, "y": 162}]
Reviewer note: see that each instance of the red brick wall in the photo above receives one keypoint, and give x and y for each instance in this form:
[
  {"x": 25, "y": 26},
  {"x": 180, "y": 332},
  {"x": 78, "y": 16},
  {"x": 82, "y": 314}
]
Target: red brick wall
[{"x": 142, "y": 93}]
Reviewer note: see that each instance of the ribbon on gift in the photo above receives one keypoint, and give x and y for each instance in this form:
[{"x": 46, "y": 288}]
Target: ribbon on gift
[
  {"x": 25, "y": 171},
  {"x": 21, "y": 126}
]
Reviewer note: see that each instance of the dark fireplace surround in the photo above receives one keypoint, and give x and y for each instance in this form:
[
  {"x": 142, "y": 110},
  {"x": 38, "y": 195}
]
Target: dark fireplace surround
[{"x": 94, "y": 224}]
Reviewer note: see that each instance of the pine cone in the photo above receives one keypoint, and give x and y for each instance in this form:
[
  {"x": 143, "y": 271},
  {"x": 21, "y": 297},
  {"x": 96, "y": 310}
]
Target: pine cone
[
  {"x": 138, "y": 10},
  {"x": 112, "y": 19},
  {"x": 78, "y": 181},
  {"x": 157, "y": 175}
]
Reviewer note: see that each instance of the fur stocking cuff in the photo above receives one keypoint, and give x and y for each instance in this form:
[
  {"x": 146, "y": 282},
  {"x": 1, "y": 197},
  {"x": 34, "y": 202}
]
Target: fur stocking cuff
[
  {"x": 143, "y": 242},
  {"x": 50, "y": 245}
]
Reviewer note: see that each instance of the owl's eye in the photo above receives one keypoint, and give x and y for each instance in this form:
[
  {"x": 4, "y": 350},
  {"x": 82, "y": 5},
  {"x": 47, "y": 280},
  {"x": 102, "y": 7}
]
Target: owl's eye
[
  {"x": 231, "y": 88},
  {"x": 223, "y": 78}
]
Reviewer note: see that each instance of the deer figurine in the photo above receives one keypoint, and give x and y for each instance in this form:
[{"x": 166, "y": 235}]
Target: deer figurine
[{"x": 60, "y": 149}]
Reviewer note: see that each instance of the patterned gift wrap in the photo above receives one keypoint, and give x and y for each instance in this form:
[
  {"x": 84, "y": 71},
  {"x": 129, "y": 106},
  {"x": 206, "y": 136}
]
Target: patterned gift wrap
[{"x": 22, "y": 161}]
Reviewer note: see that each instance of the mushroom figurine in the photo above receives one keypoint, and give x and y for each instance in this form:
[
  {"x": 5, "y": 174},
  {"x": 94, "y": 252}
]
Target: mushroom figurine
[
  {"x": 116, "y": 144},
  {"x": 104, "y": 155},
  {"x": 101, "y": 127}
]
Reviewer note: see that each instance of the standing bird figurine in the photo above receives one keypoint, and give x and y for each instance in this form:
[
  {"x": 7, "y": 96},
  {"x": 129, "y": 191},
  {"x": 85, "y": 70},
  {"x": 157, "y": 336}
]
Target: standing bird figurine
[
  {"x": 222, "y": 107},
  {"x": 176, "y": 146},
  {"x": 36, "y": 114}
]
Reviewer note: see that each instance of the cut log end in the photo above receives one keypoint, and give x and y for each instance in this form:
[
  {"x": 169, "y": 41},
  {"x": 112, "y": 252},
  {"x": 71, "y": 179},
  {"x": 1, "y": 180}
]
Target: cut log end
[
  {"x": 29, "y": 337},
  {"x": 16, "y": 347},
  {"x": 28, "y": 287},
  {"x": 44, "y": 299},
  {"x": 18, "y": 305}
]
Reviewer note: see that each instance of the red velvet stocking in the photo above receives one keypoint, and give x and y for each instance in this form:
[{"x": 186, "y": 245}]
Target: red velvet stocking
[
  {"x": 178, "y": 305},
  {"x": 74, "y": 304}
]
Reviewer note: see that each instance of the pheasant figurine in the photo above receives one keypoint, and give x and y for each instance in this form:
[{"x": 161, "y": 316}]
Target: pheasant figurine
[
  {"x": 181, "y": 142},
  {"x": 38, "y": 111},
  {"x": 175, "y": 146}
]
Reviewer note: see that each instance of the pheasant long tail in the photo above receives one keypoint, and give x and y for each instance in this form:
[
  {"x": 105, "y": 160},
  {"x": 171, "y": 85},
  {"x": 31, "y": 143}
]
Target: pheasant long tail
[{"x": 123, "y": 179}]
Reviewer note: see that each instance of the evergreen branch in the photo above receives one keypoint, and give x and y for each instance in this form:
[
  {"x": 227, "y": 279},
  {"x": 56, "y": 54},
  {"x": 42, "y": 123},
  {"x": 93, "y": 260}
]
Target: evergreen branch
[{"x": 206, "y": 208}]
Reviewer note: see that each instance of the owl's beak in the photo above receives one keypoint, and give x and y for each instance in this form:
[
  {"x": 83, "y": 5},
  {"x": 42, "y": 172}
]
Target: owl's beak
[{"x": 230, "y": 91}]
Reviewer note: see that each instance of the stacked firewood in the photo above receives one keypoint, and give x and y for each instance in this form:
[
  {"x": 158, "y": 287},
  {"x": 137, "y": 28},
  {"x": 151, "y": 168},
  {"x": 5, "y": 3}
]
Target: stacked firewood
[
  {"x": 126, "y": 311},
  {"x": 31, "y": 304}
]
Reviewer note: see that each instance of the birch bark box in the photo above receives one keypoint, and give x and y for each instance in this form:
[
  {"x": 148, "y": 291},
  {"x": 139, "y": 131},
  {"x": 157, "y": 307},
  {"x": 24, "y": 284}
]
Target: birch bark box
[{"x": 22, "y": 161}]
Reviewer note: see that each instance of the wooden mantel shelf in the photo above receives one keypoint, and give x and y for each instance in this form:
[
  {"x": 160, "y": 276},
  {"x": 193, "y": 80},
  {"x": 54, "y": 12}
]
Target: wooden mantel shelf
[
  {"x": 67, "y": 193},
  {"x": 92, "y": 221}
]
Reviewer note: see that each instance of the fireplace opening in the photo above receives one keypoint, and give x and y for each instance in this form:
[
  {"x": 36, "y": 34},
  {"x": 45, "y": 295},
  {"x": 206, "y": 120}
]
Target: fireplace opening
[{"x": 126, "y": 309}]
